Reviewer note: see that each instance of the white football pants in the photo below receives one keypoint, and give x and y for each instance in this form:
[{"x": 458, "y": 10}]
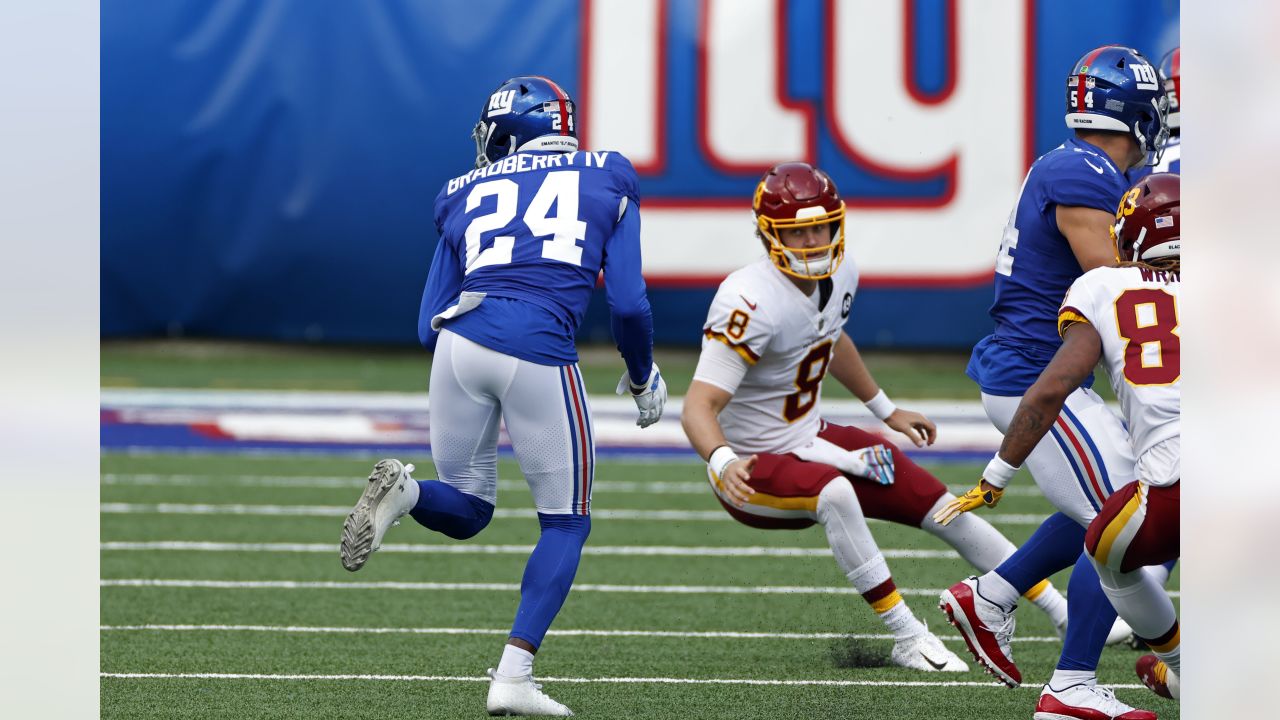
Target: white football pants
[
  {"x": 546, "y": 415},
  {"x": 1083, "y": 458}
]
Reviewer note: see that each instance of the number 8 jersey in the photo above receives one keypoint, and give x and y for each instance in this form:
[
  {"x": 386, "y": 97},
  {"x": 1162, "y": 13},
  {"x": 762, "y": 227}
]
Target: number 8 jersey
[
  {"x": 1135, "y": 311},
  {"x": 786, "y": 339}
]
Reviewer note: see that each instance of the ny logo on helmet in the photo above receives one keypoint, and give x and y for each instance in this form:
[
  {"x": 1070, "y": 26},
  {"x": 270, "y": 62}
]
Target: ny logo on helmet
[
  {"x": 1145, "y": 75},
  {"x": 500, "y": 102}
]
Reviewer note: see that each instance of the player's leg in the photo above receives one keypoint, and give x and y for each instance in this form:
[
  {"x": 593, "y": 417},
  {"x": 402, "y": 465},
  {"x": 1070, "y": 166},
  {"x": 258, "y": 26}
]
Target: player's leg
[
  {"x": 1093, "y": 456},
  {"x": 916, "y": 494},
  {"x": 547, "y": 417},
  {"x": 1074, "y": 466},
  {"x": 793, "y": 493},
  {"x": 465, "y": 381},
  {"x": 1138, "y": 527},
  {"x": 1097, "y": 447},
  {"x": 464, "y": 427}
]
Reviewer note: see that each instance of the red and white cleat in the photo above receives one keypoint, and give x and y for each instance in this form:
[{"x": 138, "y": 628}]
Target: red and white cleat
[
  {"x": 985, "y": 626},
  {"x": 1086, "y": 701},
  {"x": 1156, "y": 675}
]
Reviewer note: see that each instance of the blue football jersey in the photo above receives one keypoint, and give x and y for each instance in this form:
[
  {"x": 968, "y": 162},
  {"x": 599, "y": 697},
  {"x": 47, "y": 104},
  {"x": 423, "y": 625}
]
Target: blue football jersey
[
  {"x": 1036, "y": 265},
  {"x": 522, "y": 242}
]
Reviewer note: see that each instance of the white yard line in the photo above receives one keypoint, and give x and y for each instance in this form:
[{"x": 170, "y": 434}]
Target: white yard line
[
  {"x": 507, "y": 587},
  {"x": 529, "y": 513},
  {"x": 464, "y": 549},
  {"x": 683, "y": 634},
  {"x": 617, "y": 680},
  {"x": 654, "y": 487},
  {"x": 648, "y": 487}
]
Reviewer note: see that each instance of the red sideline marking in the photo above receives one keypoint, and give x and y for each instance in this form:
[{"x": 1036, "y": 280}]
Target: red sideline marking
[{"x": 211, "y": 430}]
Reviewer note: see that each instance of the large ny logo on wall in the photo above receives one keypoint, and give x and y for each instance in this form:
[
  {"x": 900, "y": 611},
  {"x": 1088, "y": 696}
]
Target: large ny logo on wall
[{"x": 704, "y": 96}]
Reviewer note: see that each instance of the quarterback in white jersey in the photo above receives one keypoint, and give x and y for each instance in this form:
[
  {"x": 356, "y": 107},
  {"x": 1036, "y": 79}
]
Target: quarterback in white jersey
[
  {"x": 774, "y": 331},
  {"x": 1127, "y": 317},
  {"x": 786, "y": 339}
]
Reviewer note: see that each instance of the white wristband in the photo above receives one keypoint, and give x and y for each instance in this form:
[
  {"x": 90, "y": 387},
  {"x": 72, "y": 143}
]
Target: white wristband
[
  {"x": 999, "y": 472},
  {"x": 720, "y": 459},
  {"x": 881, "y": 406}
]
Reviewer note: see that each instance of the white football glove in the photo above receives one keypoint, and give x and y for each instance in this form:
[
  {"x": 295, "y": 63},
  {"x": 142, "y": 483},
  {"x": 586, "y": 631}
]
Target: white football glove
[{"x": 650, "y": 397}]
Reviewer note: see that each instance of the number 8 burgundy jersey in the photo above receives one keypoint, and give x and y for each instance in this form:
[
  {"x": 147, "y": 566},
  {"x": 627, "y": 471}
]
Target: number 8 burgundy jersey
[{"x": 1135, "y": 311}]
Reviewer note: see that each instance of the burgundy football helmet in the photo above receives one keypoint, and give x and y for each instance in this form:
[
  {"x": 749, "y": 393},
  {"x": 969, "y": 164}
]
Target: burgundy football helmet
[
  {"x": 1148, "y": 225},
  {"x": 795, "y": 195}
]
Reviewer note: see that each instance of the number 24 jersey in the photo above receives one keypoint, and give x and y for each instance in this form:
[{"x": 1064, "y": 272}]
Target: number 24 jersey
[
  {"x": 787, "y": 340},
  {"x": 1135, "y": 311}
]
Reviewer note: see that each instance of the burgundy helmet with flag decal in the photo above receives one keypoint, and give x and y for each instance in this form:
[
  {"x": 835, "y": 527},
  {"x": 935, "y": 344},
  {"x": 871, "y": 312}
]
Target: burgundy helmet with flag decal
[
  {"x": 1148, "y": 223},
  {"x": 798, "y": 195}
]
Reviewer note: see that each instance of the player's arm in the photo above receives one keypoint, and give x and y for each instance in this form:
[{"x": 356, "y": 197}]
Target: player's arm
[
  {"x": 444, "y": 281},
  {"x": 1088, "y": 231},
  {"x": 630, "y": 317},
  {"x": 699, "y": 418},
  {"x": 1075, "y": 359},
  {"x": 848, "y": 368}
]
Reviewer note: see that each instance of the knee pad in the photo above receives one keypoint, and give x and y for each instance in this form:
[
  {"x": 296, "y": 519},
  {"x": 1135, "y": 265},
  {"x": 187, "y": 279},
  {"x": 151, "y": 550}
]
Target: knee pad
[
  {"x": 837, "y": 493},
  {"x": 463, "y": 518}
]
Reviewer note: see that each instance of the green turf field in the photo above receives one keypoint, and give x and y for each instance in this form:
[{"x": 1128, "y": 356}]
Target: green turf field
[{"x": 407, "y": 636}]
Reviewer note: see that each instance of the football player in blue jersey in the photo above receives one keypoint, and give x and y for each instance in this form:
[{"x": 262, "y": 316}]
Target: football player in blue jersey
[
  {"x": 1058, "y": 230},
  {"x": 523, "y": 238}
]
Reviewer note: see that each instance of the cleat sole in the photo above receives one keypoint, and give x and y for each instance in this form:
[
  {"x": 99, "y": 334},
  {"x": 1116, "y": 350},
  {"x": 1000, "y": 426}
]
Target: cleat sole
[{"x": 357, "y": 529}]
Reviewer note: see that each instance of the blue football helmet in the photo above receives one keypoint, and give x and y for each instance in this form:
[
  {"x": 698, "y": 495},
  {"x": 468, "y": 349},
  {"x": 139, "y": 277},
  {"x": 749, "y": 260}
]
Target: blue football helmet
[
  {"x": 1115, "y": 88},
  {"x": 529, "y": 112}
]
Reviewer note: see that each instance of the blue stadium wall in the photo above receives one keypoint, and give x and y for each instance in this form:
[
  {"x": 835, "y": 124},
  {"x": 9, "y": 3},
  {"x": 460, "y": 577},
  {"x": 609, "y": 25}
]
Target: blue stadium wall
[{"x": 269, "y": 166}]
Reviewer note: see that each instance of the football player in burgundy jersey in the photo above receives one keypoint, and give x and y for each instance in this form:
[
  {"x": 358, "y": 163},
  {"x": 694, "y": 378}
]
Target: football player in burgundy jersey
[
  {"x": 1127, "y": 317},
  {"x": 774, "y": 331}
]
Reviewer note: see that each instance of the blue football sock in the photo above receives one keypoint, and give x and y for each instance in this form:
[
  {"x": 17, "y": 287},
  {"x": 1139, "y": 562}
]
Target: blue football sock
[
  {"x": 1054, "y": 546},
  {"x": 445, "y": 509},
  {"x": 1089, "y": 619},
  {"x": 549, "y": 574}
]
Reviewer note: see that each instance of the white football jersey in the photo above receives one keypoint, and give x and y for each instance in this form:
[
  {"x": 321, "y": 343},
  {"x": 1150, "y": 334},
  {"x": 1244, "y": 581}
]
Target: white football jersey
[
  {"x": 1135, "y": 311},
  {"x": 787, "y": 339}
]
